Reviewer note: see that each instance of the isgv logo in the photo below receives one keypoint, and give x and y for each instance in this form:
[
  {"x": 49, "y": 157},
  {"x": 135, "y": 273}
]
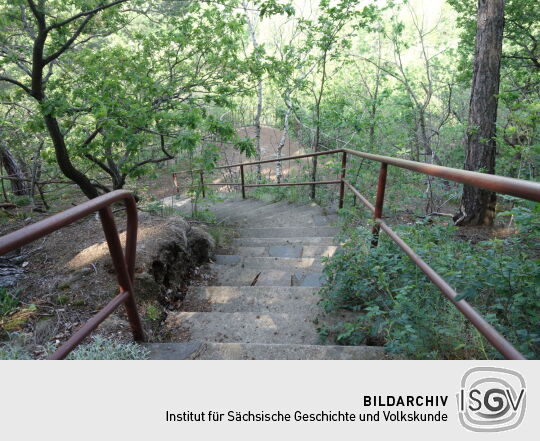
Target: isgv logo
[{"x": 491, "y": 399}]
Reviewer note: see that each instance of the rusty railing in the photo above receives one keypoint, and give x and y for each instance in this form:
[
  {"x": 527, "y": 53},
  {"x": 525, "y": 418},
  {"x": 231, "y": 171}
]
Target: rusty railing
[
  {"x": 124, "y": 264},
  {"x": 500, "y": 184}
]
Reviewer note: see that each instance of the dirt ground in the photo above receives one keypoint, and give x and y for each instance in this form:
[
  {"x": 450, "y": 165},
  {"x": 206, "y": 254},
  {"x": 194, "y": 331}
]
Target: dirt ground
[{"x": 270, "y": 138}]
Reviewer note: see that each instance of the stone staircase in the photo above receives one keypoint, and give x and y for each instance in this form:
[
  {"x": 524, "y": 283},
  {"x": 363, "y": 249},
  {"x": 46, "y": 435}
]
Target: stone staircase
[{"x": 263, "y": 301}]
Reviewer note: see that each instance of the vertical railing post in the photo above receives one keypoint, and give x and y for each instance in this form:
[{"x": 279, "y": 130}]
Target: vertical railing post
[
  {"x": 175, "y": 181},
  {"x": 242, "y": 177},
  {"x": 124, "y": 267},
  {"x": 202, "y": 184},
  {"x": 342, "y": 184},
  {"x": 381, "y": 187}
]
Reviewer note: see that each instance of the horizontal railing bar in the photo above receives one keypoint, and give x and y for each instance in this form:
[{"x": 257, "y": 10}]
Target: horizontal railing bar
[
  {"x": 284, "y": 158},
  {"x": 501, "y": 184},
  {"x": 89, "y": 326},
  {"x": 360, "y": 196},
  {"x": 46, "y": 226},
  {"x": 488, "y": 331},
  {"x": 284, "y": 184},
  {"x": 225, "y": 183},
  {"x": 293, "y": 183}
]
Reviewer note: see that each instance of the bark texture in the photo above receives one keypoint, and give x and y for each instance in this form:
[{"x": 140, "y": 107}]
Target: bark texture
[
  {"x": 10, "y": 164},
  {"x": 477, "y": 205}
]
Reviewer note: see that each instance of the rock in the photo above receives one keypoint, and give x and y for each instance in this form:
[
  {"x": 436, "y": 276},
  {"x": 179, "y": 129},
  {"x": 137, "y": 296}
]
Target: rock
[
  {"x": 113, "y": 324},
  {"x": 201, "y": 244},
  {"x": 9, "y": 274},
  {"x": 73, "y": 277},
  {"x": 167, "y": 255}
]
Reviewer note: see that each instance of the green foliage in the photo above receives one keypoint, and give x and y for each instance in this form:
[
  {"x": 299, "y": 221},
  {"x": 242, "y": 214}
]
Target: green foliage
[
  {"x": 152, "y": 312},
  {"x": 8, "y": 301},
  {"x": 398, "y": 305},
  {"x": 101, "y": 348}
]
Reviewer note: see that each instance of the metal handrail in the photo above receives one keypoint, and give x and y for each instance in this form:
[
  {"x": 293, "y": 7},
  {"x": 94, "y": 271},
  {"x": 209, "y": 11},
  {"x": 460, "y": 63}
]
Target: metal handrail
[
  {"x": 501, "y": 184},
  {"x": 124, "y": 264},
  {"x": 515, "y": 187}
]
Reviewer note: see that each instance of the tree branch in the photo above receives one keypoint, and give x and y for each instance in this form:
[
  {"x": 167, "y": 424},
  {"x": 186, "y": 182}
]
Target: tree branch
[
  {"x": 99, "y": 163},
  {"x": 17, "y": 83},
  {"x": 68, "y": 43},
  {"x": 40, "y": 17},
  {"x": 83, "y": 14},
  {"x": 167, "y": 157}
]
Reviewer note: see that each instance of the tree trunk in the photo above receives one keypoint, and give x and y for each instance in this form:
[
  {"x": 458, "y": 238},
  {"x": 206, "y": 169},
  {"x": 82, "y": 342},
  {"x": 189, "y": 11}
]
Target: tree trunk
[
  {"x": 477, "y": 205},
  {"x": 18, "y": 185},
  {"x": 253, "y": 37},
  {"x": 284, "y": 135},
  {"x": 317, "y": 137},
  {"x": 258, "y": 125}
]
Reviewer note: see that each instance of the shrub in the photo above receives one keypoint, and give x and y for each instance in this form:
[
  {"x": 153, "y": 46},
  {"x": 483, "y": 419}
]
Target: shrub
[
  {"x": 8, "y": 301},
  {"x": 403, "y": 309}
]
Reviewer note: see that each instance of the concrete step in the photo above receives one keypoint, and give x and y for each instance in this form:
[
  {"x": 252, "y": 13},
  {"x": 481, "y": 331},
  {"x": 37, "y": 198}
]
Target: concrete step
[
  {"x": 195, "y": 350},
  {"x": 245, "y": 215},
  {"x": 272, "y": 263},
  {"x": 291, "y": 218},
  {"x": 319, "y": 251},
  {"x": 243, "y": 327},
  {"x": 277, "y": 211},
  {"x": 251, "y": 299},
  {"x": 285, "y": 232},
  {"x": 184, "y": 205},
  {"x": 242, "y": 206},
  {"x": 270, "y": 251},
  {"x": 282, "y": 241},
  {"x": 229, "y": 275}
]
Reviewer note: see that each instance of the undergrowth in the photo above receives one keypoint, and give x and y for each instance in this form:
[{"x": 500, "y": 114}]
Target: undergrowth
[
  {"x": 101, "y": 348},
  {"x": 397, "y": 304}
]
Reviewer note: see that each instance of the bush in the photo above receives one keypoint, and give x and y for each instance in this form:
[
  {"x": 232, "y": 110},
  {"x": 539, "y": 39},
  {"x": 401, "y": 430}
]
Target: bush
[{"x": 403, "y": 309}]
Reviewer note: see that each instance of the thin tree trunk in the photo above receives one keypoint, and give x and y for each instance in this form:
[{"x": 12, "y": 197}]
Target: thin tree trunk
[
  {"x": 284, "y": 135},
  {"x": 477, "y": 205},
  {"x": 258, "y": 124},
  {"x": 258, "y": 114},
  {"x": 18, "y": 185},
  {"x": 4, "y": 192},
  {"x": 317, "y": 137}
]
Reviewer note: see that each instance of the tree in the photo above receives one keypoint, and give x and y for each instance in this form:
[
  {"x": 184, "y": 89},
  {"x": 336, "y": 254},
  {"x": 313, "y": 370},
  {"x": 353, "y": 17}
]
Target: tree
[
  {"x": 518, "y": 137},
  {"x": 121, "y": 101},
  {"x": 250, "y": 20},
  {"x": 48, "y": 34},
  {"x": 329, "y": 35},
  {"x": 478, "y": 205},
  {"x": 291, "y": 65}
]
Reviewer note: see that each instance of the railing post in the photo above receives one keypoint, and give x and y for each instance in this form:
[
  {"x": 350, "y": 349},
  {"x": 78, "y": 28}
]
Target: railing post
[
  {"x": 242, "y": 177},
  {"x": 381, "y": 187},
  {"x": 124, "y": 269},
  {"x": 342, "y": 184},
  {"x": 202, "y": 184},
  {"x": 175, "y": 181}
]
